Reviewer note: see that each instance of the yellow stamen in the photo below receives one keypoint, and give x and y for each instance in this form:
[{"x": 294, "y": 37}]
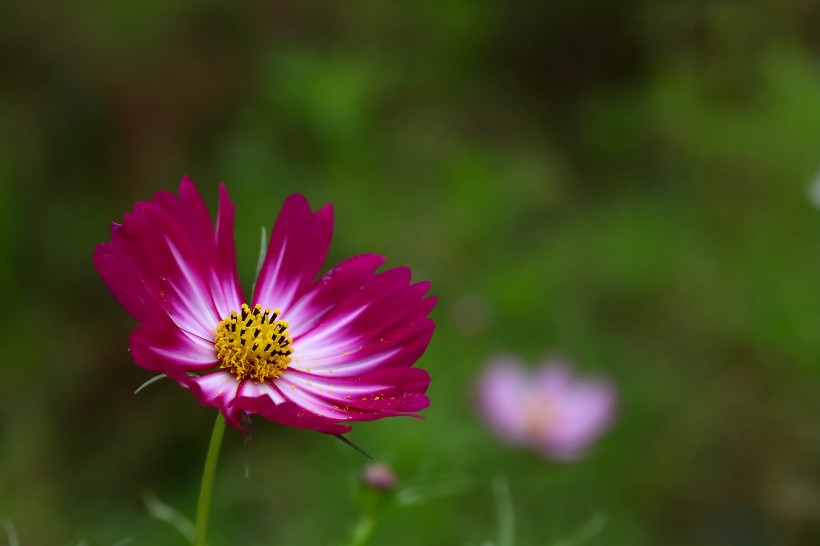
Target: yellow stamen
[{"x": 253, "y": 344}]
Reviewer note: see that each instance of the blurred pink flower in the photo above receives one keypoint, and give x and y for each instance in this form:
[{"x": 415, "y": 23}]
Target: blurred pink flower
[
  {"x": 310, "y": 354},
  {"x": 549, "y": 409},
  {"x": 379, "y": 476}
]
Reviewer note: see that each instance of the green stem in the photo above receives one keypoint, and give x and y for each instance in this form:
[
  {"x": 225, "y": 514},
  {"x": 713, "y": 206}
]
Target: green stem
[
  {"x": 363, "y": 532},
  {"x": 203, "y": 506}
]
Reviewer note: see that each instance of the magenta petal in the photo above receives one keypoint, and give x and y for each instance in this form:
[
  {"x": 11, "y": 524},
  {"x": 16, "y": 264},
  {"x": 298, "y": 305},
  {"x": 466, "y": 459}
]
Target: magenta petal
[
  {"x": 308, "y": 401},
  {"x": 178, "y": 260},
  {"x": 252, "y": 395},
  {"x": 382, "y": 393},
  {"x": 168, "y": 266},
  {"x": 269, "y": 401},
  {"x": 400, "y": 346},
  {"x": 380, "y": 303},
  {"x": 217, "y": 389},
  {"x": 297, "y": 249},
  {"x": 332, "y": 288},
  {"x": 318, "y": 403},
  {"x": 383, "y": 324},
  {"x": 123, "y": 278},
  {"x": 292, "y": 415},
  {"x": 162, "y": 347},
  {"x": 217, "y": 249},
  {"x": 226, "y": 279}
]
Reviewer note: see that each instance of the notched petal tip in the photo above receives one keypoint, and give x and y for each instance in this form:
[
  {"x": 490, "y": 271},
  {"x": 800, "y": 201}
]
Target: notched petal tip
[
  {"x": 296, "y": 200},
  {"x": 298, "y": 204},
  {"x": 297, "y": 249}
]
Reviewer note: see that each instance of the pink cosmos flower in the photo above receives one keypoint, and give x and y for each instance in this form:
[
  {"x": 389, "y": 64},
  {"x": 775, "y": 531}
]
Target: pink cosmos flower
[
  {"x": 379, "y": 476},
  {"x": 550, "y": 409},
  {"x": 307, "y": 353}
]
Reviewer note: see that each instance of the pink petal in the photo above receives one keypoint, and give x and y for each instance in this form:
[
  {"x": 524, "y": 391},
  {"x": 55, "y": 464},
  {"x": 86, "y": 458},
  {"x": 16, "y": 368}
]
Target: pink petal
[
  {"x": 389, "y": 391},
  {"x": 292, "y": 415},
  {"x": 297, "y": 249},
  {"x": 269, "y": 401},
  {"x": 383, "y": 324},
  {"x": 585, "y": 410},
  {"x": 162, "y": 347},
  {"x": 502, "y": 387},
  {"x": 552, "y": 410},
  {"x": 173, "y": 257},
  {"x": 217, "y": 389},
  {"x": 123, "y": 278},
  {"x": 309, "y": 401},
  {"x": 216, "y": 248},
  {"x": 225, "y": 260},
  {"x": 168, "y": 266},
  {"x": 332, "y": 288}
]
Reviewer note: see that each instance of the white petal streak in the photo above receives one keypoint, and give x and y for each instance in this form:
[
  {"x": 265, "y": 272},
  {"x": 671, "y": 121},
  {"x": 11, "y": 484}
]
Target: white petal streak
[
  {"x": 259, "y": 390},
  {"x": 184, "y": 313},
  {"x": 204, "y": 312},
  {"x": 302, "y": 315},
  {"x": 345, "y": 366},
  {"x": 303, "y": 357},
  {"x": 328, "y": 386},
  {"x": 187, "y": 356},
  {"x": 318, "y": 336},
  {"x": 268, "y": 294},
  {"x": 278, "y": 266},
  {"x": 205, "y": 344},
  {"x": 217, "y": 384},
  {"x": 294, "y": 314},
  {"x": 299, "y": 396}
]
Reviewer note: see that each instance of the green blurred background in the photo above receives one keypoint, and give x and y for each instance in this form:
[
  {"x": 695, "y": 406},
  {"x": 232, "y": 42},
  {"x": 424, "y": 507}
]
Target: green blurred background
[{"x": 624, "y": 184}]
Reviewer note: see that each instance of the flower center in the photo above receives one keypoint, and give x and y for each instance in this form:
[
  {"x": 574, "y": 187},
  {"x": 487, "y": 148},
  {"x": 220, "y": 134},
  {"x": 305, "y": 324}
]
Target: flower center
[{"x": 253, "y": 345}]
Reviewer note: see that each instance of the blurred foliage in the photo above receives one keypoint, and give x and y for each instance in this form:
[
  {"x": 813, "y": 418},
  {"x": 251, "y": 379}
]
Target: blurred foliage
[{"x": 623, "y": 184}]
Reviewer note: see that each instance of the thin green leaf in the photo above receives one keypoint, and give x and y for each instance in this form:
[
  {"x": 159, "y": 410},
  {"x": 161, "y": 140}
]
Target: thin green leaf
[
  {"x": 506, "y": 512},
  {"x": 354, "y": 446},
  {"x": 11, "y": 533},
  {"x": 170, "y": 515},
  {"x": 263, "y": 250},
  {"x": 419, "y": 493},
  {"x": 152, "y": 380},
  {"x": 124, "y": 542},
  {"x": 586, "y": 533}
]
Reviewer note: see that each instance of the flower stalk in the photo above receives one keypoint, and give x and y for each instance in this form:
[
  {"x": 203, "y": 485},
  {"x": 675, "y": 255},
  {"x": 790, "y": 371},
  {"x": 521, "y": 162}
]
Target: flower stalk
[
  {"x": 363, "y": 532},
  {"x": 203, "y": 507}
]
